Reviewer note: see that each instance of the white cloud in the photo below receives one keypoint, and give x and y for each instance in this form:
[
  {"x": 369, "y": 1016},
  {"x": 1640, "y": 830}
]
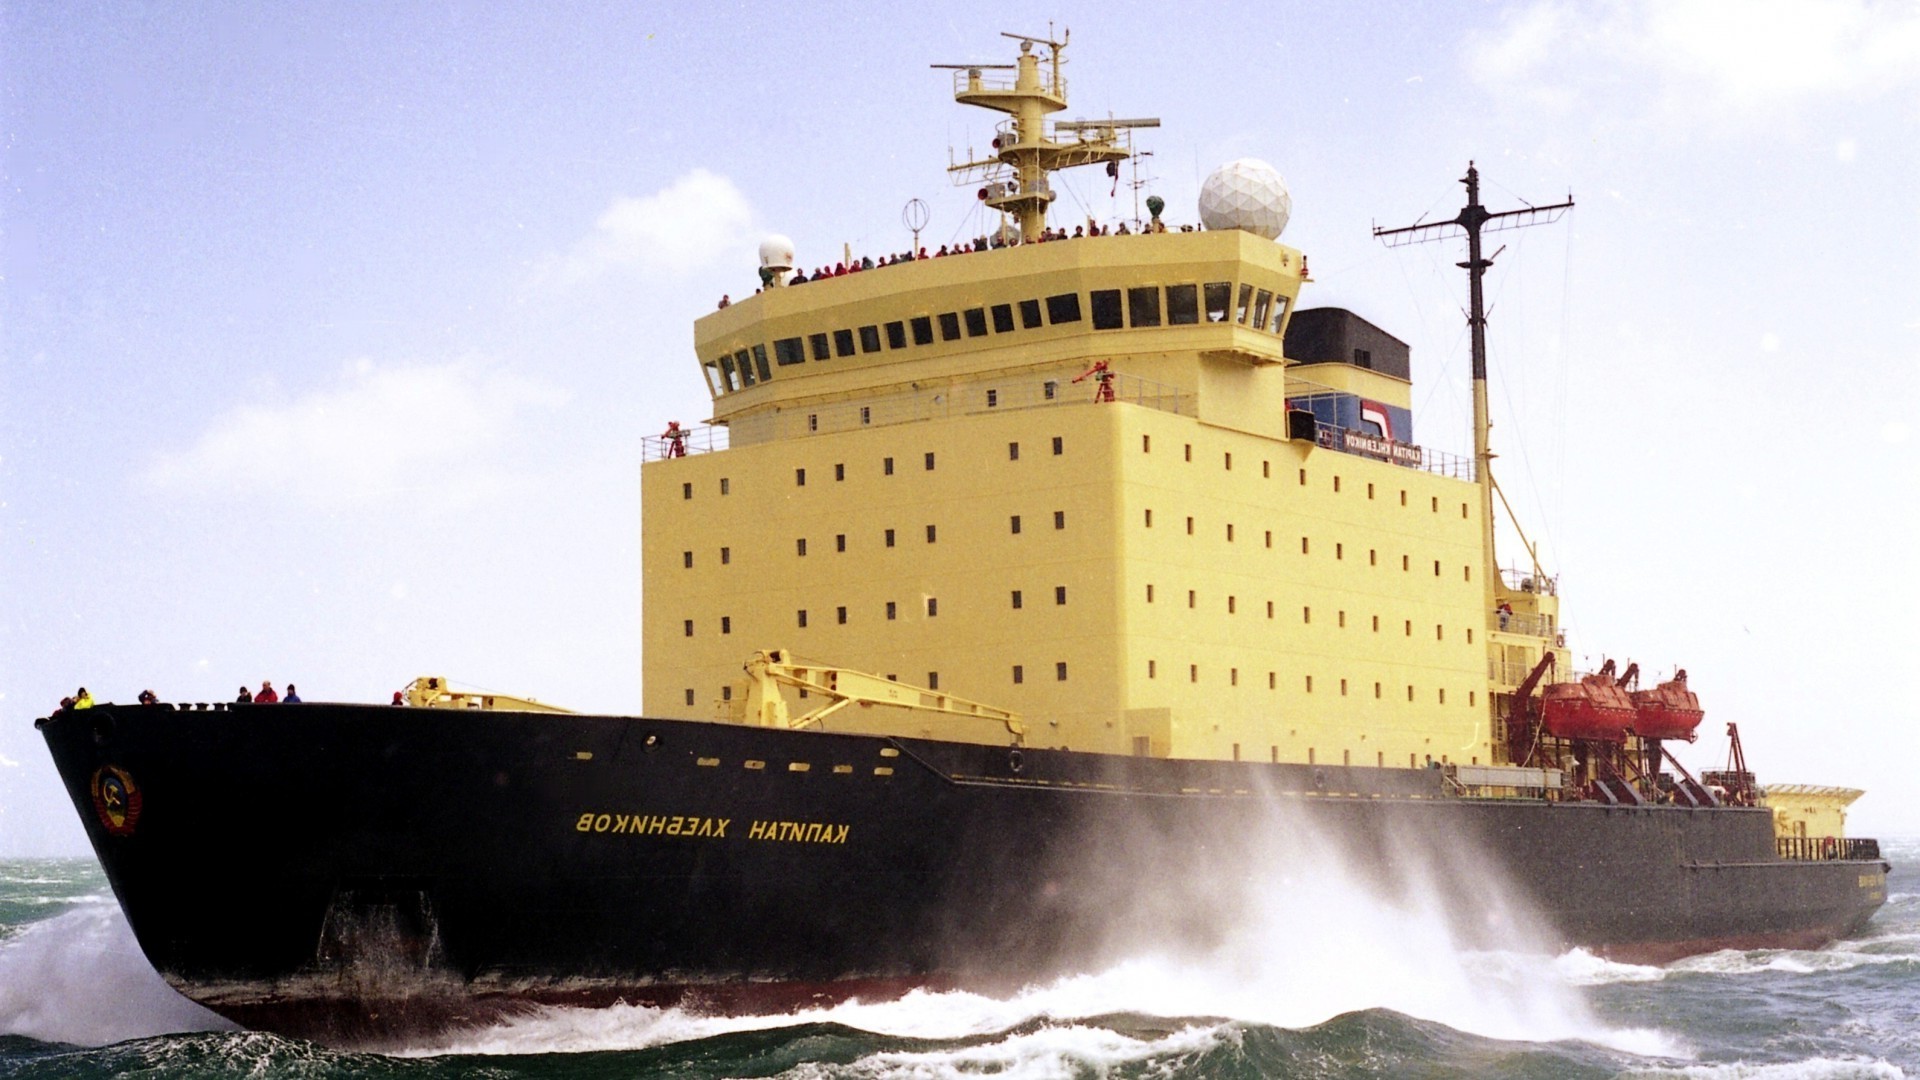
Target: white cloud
[
  {"x": 377, "y": 432},
  {"x": 1738, "y": 56},
  {"x": 8, "y": 763},
  {"x": 698, "y": 220}
]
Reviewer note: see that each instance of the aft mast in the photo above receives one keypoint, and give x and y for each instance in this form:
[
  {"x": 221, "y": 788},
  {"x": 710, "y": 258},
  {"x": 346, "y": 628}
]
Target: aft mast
[
  {"x": 1024, "y": 150},
  {"x": 1473, "y": 219}
]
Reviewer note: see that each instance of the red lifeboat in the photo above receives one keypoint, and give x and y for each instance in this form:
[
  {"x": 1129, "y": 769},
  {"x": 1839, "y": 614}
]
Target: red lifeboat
[
  {"x": 1668, "y": 711},
  {"x": 1593, "y": 708}
]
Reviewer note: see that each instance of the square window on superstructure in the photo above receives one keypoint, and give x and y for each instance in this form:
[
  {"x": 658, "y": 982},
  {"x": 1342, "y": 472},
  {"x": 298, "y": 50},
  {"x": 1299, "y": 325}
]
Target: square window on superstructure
[
  {"x": 686, "y": 627},
  {"x": 1219, "y": 296},
  {"x": 801, "y": 618},
  {"x": 1105, "y": 306},
  {"x": 889, "y": 537},
  {"x": 893, "y": 610},
  {"x": 866, "y": 414},
  {"x": 1183, "y": 305},
  {"x": 1064, "y": 308},
  {"x": 840, "y": 542},
  {"x": 993, "y": 399},
  {"x": 886, "y": 467},
  {"x": 1050, "y": 389},
  {"x": 1060, "y": 671},
  {"x": 800, "y": 547},
  {"x": 1030, "y": 314},
  {"x": 840, "y": 471},
  {"x": 726, "y": 624},
  {"x": 1013, "y": 451},
  {"x": 922, "y": 330},
  {"x": 1003, "y": 318},
  {"x": 1060, "y": 594},
  {"x": 726, "y": 486},
  {"x": 799, "y": 478},
  {"x": 788, "y": 351},
  {"x": 760, "y": 363},
  {"x": 1019, "y": 673},
  {"x": 743, "y": 362},
  {"x": 840, "y": 615},
  {"x": 1143, "y": 306},
  {"x": 930, "y": 534},
  {"x": 1059, "y": 519},
  {"x": 726, "y": 555},
  {"x": 686, "y": 559},
  {"x": 843, "y": 343},
  {"x": 821, "y": 350},
  {"x": 929, "y": 461},
  {"x": 976, "y": 321},
  {"x": 933, "y": 606},
  {"x": 689, "y": 695},
  {"x": 949, "y": 326},
  {"x": 896, "y": 335},
  {"x": 1059, "y": 446},
  {"x": 1016, "y": 599},
  {"x": 869, "y": 339},
  {"x": 686, "y": 491},
  {"x": 1013, "y": 523}
]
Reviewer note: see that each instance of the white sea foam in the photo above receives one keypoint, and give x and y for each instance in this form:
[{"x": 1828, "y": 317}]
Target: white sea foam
[
  {"x": 1810, "y": 1069},
  {"x": 1842, "y": 956},
  {"x": 79, "y": 977},
  {"x": 1045, "y": 1054},
  {"x": 1581, "y": 968}
]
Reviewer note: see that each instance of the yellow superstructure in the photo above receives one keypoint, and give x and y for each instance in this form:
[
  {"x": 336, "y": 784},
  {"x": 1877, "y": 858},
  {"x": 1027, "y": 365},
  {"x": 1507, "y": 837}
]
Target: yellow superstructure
[
  {"x": 906, "y": 478},
  {"x": 1810, "y": 811}
]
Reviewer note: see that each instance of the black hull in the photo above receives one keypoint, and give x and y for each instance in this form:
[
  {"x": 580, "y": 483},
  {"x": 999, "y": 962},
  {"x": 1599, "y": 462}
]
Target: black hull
[{"x": 354, "y": 872}]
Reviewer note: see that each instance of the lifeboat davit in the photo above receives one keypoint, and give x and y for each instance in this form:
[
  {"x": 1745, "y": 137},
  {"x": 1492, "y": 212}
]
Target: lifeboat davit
[
  {"x": 1668, "y": 711},
  {"x": 1593, "y": 708}
]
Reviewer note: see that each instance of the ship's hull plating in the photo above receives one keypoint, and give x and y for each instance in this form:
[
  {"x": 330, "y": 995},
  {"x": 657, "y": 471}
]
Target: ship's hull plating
[{"x": 349, "y": 872}]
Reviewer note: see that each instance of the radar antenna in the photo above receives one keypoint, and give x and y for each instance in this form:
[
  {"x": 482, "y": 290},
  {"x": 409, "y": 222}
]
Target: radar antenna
[
  {"x": 1025, "y": 147},
  {"x": 1472, "y": 220}
]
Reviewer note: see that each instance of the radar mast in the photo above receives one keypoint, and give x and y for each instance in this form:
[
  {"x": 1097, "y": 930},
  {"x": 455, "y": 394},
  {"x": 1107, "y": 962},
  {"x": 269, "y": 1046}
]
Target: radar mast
[{"x": 1025, "y": 150}]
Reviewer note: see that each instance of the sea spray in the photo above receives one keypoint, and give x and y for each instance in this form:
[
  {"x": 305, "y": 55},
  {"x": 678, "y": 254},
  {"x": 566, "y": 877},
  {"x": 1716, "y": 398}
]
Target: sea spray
[{"x": 79, "y": 977}]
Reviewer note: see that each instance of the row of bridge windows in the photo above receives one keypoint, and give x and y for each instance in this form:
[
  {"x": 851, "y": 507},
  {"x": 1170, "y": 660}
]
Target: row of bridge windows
[{"x": 1135, "y": 307}]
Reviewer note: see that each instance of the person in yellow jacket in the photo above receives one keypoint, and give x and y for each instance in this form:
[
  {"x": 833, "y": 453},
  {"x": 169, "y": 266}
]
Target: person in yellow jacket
[{"x": 83, "y": 700}]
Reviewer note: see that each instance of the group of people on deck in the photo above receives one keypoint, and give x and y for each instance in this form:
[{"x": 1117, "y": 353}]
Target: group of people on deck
[
  {"x": 266, "y": 695},
  {"x": 866, "y": 262}
]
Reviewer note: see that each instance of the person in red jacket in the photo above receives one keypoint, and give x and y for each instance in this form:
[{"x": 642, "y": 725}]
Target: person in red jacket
[{"x": 266, "y": 696}]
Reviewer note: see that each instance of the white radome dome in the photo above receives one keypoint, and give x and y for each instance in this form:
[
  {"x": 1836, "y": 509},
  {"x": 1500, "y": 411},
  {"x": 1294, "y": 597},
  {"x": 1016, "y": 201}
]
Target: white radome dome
[
  {"x": 1246, "y": 194},
  {"x": 776, "y": 253}
]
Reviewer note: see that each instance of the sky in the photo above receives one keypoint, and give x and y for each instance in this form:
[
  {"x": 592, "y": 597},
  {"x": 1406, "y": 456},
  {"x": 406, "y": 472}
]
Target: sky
[{"x": 329, "y": 333}]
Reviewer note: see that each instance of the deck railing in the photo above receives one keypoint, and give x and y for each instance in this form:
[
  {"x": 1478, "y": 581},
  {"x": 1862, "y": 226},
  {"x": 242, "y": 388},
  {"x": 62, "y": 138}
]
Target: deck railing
[{"x": 1823, "y": 848}]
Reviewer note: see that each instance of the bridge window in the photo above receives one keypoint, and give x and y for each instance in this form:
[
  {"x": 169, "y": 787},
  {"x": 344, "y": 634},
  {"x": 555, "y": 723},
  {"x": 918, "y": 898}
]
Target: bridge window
[
  {"x": 820, "y": 348},
  {"x": 949, "y": 326},
  {"x": 923, "y": 330},
  {"x": 896, "y": 335},
  {"x": 843, "y": 343},
  {"x": 1106, "y": 309},
  {"x": 1279, "y": 314},
  {"x": 1003, "y": 318},
  {"x": 1261, "y": 301},
  {"x": 1143, "y": 306},
  {"x": 760, "y": 363},
  {"x": 1064, "y": 308},
  {"x": 976, "y": 322},
  {"x": 1030, "y": 314},
  {"x": 788, "y": 351},
  {"x": 1240, "y": 309},
  {"x": 869, "y": 339},
  {"x": 744, "y": 365},
  {"x": 1219, "y": 294},
  {"x": 1183, "y": 305}
]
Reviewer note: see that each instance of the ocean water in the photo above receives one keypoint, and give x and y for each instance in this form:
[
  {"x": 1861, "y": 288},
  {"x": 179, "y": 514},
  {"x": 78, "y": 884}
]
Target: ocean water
[{"x": 1328, "y": 982}]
